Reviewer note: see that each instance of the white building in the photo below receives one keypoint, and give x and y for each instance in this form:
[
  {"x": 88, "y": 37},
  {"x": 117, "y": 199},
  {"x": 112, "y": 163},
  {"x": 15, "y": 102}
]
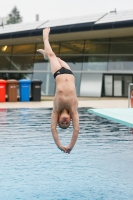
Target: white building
[{"x": 98, "y": 48}]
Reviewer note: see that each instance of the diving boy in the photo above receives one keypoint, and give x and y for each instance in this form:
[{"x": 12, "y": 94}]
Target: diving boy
[{"x": 65, "y": 103}]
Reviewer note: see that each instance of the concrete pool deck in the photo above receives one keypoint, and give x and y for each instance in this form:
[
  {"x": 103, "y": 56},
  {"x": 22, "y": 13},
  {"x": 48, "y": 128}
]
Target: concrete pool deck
[{"x": 47, "y": 102}]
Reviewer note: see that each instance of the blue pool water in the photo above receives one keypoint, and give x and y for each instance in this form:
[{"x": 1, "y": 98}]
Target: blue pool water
[{"x": 100, "y": 167}]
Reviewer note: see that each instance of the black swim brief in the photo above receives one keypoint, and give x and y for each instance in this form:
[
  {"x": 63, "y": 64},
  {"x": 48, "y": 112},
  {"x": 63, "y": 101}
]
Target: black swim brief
[{"x": 62, "y": 70}]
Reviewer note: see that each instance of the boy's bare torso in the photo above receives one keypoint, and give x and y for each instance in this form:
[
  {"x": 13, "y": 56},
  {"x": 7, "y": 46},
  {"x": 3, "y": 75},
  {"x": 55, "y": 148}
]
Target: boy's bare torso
[{"x": 65, "y": 95}]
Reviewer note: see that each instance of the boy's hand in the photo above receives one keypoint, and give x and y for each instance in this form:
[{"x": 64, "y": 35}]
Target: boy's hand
[
  {"x": 68, "y": 149},
  {"x": 62, "y": 148}
]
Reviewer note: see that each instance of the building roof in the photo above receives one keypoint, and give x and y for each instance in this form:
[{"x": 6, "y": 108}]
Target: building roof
[{"x": 111, "y": 20}]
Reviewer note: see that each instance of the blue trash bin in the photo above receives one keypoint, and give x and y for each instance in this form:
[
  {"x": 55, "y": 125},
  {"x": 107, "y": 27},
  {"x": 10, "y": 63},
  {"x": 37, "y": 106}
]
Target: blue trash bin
[{"x": 24, "y": 89}]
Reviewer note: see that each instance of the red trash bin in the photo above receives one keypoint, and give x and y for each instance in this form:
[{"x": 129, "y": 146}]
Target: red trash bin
[{"x": 3, "y": 90}]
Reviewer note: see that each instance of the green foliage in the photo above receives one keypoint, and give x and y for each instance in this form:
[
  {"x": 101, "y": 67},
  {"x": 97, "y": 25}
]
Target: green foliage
[{"x": 14, "y": 17}]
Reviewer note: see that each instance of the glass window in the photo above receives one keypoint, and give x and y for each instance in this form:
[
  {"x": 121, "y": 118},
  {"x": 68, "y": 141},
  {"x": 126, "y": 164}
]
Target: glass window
[
  {"x": 121, "y": 48},
  {"x": 5, "y": 62},
  {"x": 16, "y": 76},
  {"x": 39, "y": 58},
  {"x": 74, "y": 47},
  {"x": 24, "y": 49},
  {"x": 22, "y": 62},
  {"x": 120, "y": 63},
  {"x": 122, "y": 39},
  {"x": 41, "y": 66},
  {"x": 4, "y": 76},
  {"x": 96, "y": 47},
  {"x": 5, "y": 49},
  {"x": 40, "y": 46},
  {"x": 99, "y": 40},
  {"x": 95, "y": 63}
]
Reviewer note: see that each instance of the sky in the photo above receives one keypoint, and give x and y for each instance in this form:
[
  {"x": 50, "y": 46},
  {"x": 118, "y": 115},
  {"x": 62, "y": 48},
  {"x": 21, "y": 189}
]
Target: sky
[{"x": 54, "y": 9}]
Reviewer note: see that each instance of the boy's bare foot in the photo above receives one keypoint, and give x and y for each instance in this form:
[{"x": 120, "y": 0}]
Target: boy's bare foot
[
  {"x": 43, "y": 52},
  {"x": 46, "y": 33}
]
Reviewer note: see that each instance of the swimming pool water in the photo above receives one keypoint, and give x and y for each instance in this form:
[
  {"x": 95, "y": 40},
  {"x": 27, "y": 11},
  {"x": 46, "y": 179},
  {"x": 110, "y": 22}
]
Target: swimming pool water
[{"x": 100, "y": 167}]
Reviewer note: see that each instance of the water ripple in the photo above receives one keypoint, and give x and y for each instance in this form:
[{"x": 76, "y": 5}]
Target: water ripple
[{"x": 32, "y": 167}]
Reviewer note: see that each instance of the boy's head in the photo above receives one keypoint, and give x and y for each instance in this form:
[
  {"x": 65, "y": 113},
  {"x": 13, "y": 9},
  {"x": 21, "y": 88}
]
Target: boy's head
[{"x": 64, "y": 119}]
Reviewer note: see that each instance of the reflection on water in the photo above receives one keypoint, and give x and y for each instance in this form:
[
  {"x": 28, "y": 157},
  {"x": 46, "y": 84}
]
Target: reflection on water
[{"x": 31, "y": 166}]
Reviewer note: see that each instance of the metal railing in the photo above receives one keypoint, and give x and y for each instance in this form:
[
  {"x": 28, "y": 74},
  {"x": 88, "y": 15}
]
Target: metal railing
[{"x": 129, "y": 93}]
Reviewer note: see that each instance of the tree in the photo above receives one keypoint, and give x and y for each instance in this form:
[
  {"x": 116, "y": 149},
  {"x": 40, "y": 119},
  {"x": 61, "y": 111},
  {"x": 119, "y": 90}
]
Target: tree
[{"x": 14, "y": 17}]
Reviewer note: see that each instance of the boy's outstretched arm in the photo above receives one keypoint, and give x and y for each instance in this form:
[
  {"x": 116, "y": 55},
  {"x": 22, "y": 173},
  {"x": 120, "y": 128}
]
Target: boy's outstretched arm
[
  {"x": 75, "y": 121},
  {"x": 54, "y": 120}
]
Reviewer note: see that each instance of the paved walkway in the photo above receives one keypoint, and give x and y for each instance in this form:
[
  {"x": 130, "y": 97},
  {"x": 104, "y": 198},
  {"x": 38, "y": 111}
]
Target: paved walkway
[{"x": 83, "y": 102}]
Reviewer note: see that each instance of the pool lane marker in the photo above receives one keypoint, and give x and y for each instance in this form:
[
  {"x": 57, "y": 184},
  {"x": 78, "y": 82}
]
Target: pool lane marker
[{"x": 120, "y": 115}]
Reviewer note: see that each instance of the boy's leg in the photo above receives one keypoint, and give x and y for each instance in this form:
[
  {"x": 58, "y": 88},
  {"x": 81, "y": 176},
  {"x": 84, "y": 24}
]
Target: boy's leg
[
  {"x": 64, "y": 64},
  {"x": 54, "y": 62}
]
